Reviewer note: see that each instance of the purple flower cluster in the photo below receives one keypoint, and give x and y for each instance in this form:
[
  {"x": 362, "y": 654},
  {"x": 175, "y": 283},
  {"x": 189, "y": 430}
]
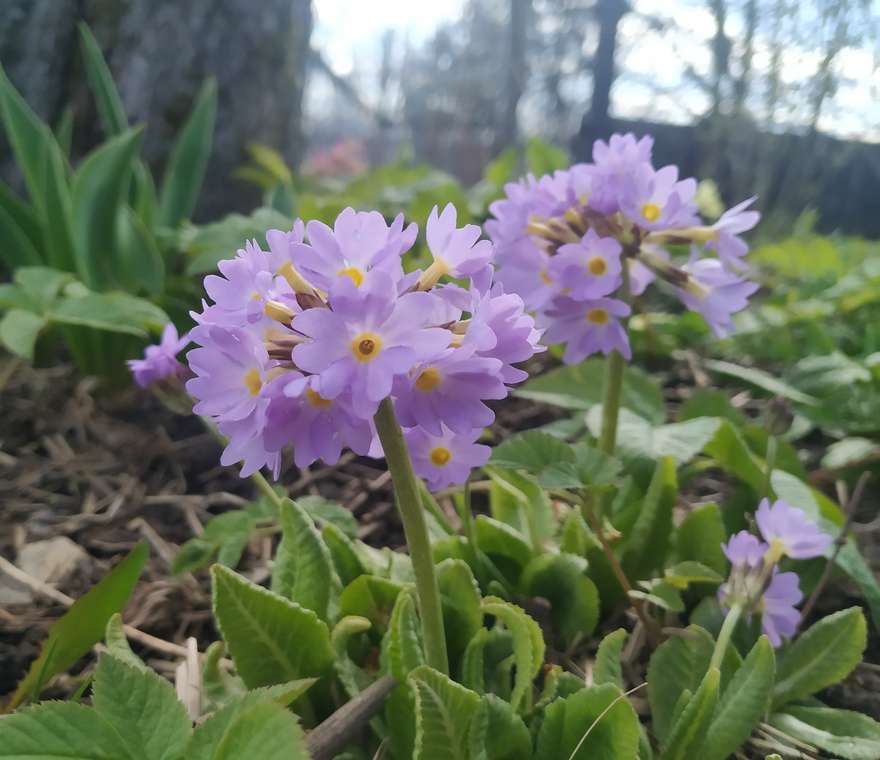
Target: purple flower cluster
[
  {"x": 301, "y": 343},
  {"x": 755, "y": 580},
  {"x": 160, "y": 361},
  {"x": 568, "y": 242}
]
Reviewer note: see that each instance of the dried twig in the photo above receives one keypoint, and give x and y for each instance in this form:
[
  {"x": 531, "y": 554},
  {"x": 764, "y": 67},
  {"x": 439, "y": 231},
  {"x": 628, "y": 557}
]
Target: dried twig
[
  {"x": 839, "y": 543},
  {"x": 338, "y": 730}
]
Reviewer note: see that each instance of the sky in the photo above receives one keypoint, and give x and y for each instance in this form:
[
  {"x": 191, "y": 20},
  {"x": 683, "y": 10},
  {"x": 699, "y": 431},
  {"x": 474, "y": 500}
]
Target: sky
[{"x": 348, "y": 32}]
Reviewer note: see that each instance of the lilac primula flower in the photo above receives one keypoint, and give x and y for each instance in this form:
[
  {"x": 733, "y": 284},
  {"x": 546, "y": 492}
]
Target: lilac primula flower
[
  {"x": 790, "y": 531},
  {"x": 587, "y": 327},
  {"x": 457, "y": 252},
  {"x": 779, "y": 615},
  {"x": 160, "y": 360},
  {"x": 717, "y": 295},
  {"x": 359, "y": 243},
  {"x": 588, "y": 269},
  {"x": 745, "y": 549},
  {"x": 450, "y": 390},
  {"x": 365, "y": 339},
  {"x": 544, "y": 227},
  {"x": 446, "y": 458}
]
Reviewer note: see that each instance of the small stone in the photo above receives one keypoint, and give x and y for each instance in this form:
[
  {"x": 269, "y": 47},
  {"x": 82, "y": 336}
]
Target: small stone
[{"x": 52, "y": 561}]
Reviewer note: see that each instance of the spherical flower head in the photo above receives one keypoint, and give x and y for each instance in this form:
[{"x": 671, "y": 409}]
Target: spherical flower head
[
  {"x": 789, "y": 531},
  {"x": 779, "y": 615},
  {"x": 368, "y": 336},
  {"x": 359, "y": 243},
  {"x": 614, "y": 164},
  {"x": 445, "y": 459},
  {"x": 745, "y": 550},
  {"x": 160, "y": 360},
  {"x": 590, "y": 268},
  {"x": 449, "y": 390},
  {"x": 316, "y": 427},
  {"x": 457, "y": 252},
  {"x": 717, "y": 295},
  {"x": 586, "y": 327}
]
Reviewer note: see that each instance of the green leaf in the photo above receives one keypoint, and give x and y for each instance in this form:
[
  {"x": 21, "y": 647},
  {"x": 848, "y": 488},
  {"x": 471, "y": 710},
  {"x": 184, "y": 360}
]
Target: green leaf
[
  {"x": 98, "y": 191},
  {"x": 532, "y": 451},
  {"x": 303, "y": 570},
  {"x": 528, "y": 647},
  {"x": 742, "y": 705},
  {"x": 118, "y": 646},
  {"x": 849, "y": 452},
  {"x": 113, "y": 312},
  {"x": 111, "y": 112},
  {"x": 823, "y": 655},
  {"x": 602, "y": 711},
  {"x": 678, "y": 664},
  {"x": 544, "y": 158},
  {"x": 607, "y": 667},
  {"x": 688, "y": 731},
  {"x": 460, "y": 597},
  {"x": 532, "y": 501},
  {"x": 270, "y": 638},
  {"x": 83, "y": 625},
  {"x": 647, "y": 542},
  {"x": 580, "y": 387},
  {"x": 401, "y": 654},
  {"x": 249, "y": 728},
  {"x": 573, "y": 597},
  {"x": 137, "y": 263},
  {"x": 699, "y": 538},
  {"x": 143, "y": 708},
  {"x": 194, "y": 555},
  {"x": 352, "y": 677},
  {"x": 19, "y": 330},
  {"x": 708, "y": 402},
  {"x": 41, "y": 284},
  {"x": 324, "y": 511},
  {"x": 370, "y": 597},
  {"x": 842, "y": 733},
  {"x": 345, "y": 559},
  {"x": 444, "y": 711},
  {"x": 498, "y": 733},
  {"x": 16, "y": 248},
  {"x": 683, "y": 574},
  {"x": 59, "y": 730},
  {"x": 590, "y": 468},
  {"x": 189, "y": 159},
  {"x": 760, "y": 379},
  {"x": 729, "y": 449},
  {"x": 55, "y": 205},
  {"x": 504, "y": 545}
]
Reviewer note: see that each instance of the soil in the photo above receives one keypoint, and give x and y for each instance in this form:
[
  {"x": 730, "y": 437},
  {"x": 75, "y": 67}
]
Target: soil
[{"x": 109, "y": 470}]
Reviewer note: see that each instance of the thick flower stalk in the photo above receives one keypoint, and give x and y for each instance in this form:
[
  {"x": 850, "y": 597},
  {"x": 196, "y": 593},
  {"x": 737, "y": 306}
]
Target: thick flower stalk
[
  {"x": 301, "y": 344},
  {"x": 756, "y": 585},
  {"x": 565, "y": 243}
]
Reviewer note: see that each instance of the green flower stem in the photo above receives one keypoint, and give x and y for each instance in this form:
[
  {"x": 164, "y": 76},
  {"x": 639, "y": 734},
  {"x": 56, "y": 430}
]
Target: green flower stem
[
  {"x": 613, "y": 388},
  {"x": 614, "y": 366},
  {"x": 770, "y": 462},
  {"x": 409, "y": 505},
  {"x": 724, "y": 635}
]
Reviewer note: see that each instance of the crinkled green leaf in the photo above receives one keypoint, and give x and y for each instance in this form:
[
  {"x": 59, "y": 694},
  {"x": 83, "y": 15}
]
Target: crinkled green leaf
[
  {"x": 607, "y": 667},
  {"x": 118, "y": 646},
  {"x": 743, "y": 703},
  {"x": 444, "y": 711},
  {"x": 688, "y": 730},
  {"x": 498, "y": 733},
  {"x": 143, "y": 708},
  {"x": 460, "y": 596},
  {"x": 532, "y": 451},
  {"x": 821, "y": 656},
  {"x": 270, "y": 638}
]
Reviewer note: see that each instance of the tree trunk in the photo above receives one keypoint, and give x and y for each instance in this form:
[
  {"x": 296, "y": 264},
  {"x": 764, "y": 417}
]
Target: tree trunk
[
  {"x": 160, "y": 52},
  {"x": 508, "y": 133}
]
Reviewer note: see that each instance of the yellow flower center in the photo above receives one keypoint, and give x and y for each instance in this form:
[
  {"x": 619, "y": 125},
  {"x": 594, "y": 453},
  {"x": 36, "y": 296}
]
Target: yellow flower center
[
  {"x": 317, "y": 400},
  {"x": 597, "y": 316},
  {"x": 440, "y": 456},
  {"x": 255, "y": 296},
  {"x": 252, "y": 381},
  {"x": 545, "y": 278},
  {"x": 651, "y": 212},
  {"x": 354, "y": 274},
  {"x": 597, "y": 266},
  {"x": 428, "y": 379},
  {"x": 366, "y": 347}
]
